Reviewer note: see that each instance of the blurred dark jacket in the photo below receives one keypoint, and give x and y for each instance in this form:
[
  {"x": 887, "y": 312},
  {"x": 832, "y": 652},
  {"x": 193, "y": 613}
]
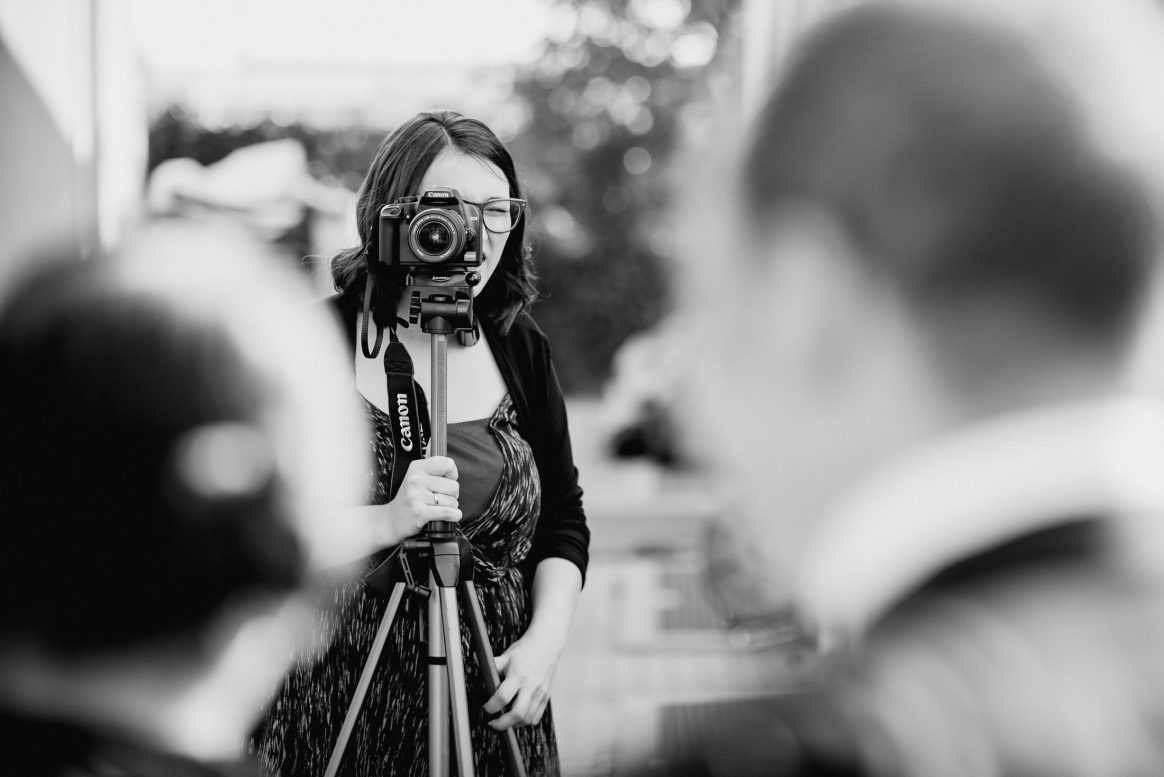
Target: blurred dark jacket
[{"x": 44, "y": 748}]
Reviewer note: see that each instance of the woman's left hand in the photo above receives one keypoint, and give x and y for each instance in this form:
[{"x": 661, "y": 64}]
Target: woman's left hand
[{"x": 526, "y": 668}]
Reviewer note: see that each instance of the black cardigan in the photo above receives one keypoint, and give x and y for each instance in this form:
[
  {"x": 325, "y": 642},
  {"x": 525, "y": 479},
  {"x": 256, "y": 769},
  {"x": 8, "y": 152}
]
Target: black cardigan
[{"x": 523, "y": 357}]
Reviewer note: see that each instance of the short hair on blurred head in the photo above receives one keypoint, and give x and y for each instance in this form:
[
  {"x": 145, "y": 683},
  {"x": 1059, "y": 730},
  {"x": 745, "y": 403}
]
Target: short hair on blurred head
[
  {"x": 151, "y": 407},
  {"x": 959, "y": 167}
]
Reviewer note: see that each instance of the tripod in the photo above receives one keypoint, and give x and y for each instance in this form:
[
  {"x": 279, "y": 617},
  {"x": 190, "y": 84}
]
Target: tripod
[{"x": 447, "y": 559}]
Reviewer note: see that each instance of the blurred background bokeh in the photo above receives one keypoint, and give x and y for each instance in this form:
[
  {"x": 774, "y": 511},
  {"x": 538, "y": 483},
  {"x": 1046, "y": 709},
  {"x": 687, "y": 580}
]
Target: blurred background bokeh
[{"x": 269, "y": 112}]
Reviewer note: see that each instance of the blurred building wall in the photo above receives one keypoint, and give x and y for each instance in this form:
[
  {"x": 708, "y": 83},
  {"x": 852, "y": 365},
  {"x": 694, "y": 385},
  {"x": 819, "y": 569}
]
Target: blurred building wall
[{"x": 72, "y": 134}]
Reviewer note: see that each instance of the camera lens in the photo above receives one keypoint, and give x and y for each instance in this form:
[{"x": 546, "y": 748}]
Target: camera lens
[
  {"x": 435, "y": 235},
  {"x": 433, "y": 238}
]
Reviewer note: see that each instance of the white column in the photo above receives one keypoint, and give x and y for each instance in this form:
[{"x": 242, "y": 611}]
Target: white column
[{"x": 771, "y": 28}]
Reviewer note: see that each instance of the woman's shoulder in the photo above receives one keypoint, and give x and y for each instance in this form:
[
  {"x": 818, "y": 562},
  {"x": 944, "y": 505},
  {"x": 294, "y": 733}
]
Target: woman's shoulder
[
  {"x": 524, "y": 327},
  {"x": 343, "y": 307},
  {"x": 524, "y": 340},
  {"x": 335, "y": 301}
]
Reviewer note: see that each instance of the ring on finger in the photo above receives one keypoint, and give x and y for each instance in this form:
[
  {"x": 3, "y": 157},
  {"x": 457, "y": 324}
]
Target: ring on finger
[{"x": 436, "y": 499}]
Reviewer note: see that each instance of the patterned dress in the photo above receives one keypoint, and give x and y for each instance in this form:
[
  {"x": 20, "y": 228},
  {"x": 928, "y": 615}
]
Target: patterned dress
[{"x": 390, "y": 737}]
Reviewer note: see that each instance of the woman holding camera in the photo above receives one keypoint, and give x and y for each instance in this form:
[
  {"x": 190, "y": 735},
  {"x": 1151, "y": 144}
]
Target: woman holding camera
[{"x": 509, "y": 481}]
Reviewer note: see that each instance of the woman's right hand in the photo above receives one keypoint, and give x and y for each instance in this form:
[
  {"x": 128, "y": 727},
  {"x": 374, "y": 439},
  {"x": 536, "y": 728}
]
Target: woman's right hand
[{"x": 428, "y": 492}]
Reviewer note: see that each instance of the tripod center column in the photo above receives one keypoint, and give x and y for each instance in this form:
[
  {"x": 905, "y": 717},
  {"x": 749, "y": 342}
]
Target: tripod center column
[{"x": 439, "y": 407}]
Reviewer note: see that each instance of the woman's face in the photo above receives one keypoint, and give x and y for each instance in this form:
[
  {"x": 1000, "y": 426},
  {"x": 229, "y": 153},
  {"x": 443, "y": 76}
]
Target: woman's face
[{"x": 476, "y": 180}]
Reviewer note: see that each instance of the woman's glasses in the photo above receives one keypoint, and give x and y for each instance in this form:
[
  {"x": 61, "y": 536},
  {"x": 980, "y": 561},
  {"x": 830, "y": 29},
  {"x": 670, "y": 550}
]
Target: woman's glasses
[{"x": 499, "y": 215}]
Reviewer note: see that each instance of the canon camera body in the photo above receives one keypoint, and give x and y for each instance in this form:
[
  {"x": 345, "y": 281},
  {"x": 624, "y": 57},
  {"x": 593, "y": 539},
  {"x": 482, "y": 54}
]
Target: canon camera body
[{"x": 437, "y": 228}]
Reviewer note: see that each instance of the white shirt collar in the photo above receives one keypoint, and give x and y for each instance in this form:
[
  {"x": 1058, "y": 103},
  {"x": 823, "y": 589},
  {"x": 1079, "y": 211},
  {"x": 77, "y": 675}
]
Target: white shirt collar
[{"x": 978, "y": 487}]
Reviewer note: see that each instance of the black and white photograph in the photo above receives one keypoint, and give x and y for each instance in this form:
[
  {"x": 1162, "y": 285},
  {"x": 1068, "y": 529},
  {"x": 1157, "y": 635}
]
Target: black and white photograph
[{"x": 582, "y": 388}]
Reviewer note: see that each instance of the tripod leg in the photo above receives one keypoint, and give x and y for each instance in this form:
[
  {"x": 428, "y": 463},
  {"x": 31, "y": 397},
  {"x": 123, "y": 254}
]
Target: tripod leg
[
  {"x": 353, "y": 713},
  {"x": 456, "y": 686},
  {"x": 489, "y": 671},
  {"x": 438, "y": 693}
]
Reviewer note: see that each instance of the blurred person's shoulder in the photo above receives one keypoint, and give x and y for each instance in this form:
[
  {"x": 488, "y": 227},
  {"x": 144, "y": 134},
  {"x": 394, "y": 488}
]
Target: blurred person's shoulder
[
  {"x": 798, "y": 734},
  {"x": 60, "y": 748}
]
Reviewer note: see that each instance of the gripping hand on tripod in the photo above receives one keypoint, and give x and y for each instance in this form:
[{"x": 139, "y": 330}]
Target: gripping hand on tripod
[
  {"x": 428, "y": 492},
  {"x": 527, "y": 668}
]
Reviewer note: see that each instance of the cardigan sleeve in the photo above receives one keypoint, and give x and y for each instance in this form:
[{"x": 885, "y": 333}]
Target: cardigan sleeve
[{"x": 561, "y": 531}]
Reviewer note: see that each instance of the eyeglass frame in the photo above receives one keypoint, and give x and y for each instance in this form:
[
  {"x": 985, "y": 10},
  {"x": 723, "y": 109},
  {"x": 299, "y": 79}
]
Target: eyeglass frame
[{"x": 481, "y": 207}]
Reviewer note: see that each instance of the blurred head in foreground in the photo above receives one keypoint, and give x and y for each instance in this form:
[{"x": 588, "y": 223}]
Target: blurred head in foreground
[
  {"x": 919, "y": 355},
  {"x": 174, "y": 443}
]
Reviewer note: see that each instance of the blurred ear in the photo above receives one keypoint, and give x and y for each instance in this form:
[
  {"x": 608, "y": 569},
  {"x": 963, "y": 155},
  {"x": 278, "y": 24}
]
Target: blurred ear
[
  {"x": 827, "y": 309},
  {"x": 223, "y": 461}
]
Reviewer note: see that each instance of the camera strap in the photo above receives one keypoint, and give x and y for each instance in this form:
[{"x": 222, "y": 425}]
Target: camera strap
[
  {"x": 409, "y": 408},
  {"x": 407, "y": 405},
  {"x": 370, "y": 351}
]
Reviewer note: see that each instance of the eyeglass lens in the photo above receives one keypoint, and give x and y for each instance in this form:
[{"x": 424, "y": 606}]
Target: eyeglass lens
[{"x": 501, "y": 215}]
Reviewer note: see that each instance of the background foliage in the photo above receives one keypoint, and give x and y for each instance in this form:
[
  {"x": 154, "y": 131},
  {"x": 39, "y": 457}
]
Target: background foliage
[{"x": 619, "y": 88}]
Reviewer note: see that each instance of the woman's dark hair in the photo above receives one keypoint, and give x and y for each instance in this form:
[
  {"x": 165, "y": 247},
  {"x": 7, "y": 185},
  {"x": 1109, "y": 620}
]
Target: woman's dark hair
[{"x": 397, "y": 170}]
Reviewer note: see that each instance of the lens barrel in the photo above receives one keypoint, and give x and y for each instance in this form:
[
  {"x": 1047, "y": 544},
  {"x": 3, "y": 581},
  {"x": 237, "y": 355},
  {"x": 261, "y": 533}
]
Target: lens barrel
[{"x": 437, "y": 235}]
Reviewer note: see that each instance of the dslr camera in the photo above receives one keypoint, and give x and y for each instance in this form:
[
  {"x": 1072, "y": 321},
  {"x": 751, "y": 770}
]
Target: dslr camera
[{"x": 435, "y": 229}]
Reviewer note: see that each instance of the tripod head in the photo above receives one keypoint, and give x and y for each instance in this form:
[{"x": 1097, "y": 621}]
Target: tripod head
[{"x": 441, "y": 300}]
